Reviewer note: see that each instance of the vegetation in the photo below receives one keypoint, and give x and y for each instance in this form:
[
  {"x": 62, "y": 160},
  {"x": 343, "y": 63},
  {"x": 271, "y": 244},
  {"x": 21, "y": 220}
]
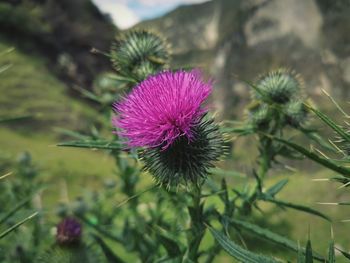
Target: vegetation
[{"x": 93, "y": 199}]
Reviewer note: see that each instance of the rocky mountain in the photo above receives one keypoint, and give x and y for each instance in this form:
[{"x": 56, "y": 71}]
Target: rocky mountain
[
  {"x": 236, "y": 40},
  {"x": 61, "y": 31}
]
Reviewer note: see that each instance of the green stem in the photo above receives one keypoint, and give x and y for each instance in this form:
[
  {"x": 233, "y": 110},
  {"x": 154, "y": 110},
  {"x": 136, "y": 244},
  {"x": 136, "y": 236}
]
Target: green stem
[{"x": 197, "y": 227}]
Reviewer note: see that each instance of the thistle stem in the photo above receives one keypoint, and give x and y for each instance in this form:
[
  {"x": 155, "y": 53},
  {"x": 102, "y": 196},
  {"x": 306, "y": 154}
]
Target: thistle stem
[{"x": 197, "y": 227}]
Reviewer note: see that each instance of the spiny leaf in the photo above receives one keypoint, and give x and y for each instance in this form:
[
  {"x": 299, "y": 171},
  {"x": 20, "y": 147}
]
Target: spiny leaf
[
  {"x": 345, "y": 254},
  {"x": 314, "y": 136},
  {"x": 14, "y": 227},
  {"x": 331, "y": 123},
  {"x": 73, "y": 134},
  {"x": 295, "y": 206},
  {"x": 331, "y": 252},
  {"x": 301, "y": 256},
  {"x": 325, "y": 162},
  {"x": 14, "y": 209},
  {"x": 238, "y": 252},
  {"x": 308, "y": 254},
  {"x": 273, "y": 190},
  {"x": 96, "y": 144},
  {"x": 271, "y": 236}
]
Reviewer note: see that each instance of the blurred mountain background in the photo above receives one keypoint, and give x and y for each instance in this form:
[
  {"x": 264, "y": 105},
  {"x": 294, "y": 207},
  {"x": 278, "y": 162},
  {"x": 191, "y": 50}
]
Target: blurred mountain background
[
  {"x": 233, "y": 41},
  {"x": 236, "y": 40}
]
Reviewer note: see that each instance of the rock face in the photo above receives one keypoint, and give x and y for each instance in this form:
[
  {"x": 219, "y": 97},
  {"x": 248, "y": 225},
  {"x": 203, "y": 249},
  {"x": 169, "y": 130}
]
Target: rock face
[
  {"x": 54, "y": 30},
  {"x": 236, "y": 40}
]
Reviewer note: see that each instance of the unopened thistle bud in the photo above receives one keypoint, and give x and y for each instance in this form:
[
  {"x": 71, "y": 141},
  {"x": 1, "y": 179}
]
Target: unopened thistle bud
[
  {"x": 295, "y": 113},
  {"x": 260, "y": 117},
  {"x": 165, "y": 116},
  {"x": 68, "y": 232},
  {"x": 139, "y": 53},
  {"x": 279, "y": 86}
]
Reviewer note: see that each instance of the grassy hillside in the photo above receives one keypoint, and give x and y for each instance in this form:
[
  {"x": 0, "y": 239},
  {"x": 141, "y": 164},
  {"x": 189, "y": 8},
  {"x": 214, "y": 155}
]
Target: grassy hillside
[{"x": 28, "y": 87}]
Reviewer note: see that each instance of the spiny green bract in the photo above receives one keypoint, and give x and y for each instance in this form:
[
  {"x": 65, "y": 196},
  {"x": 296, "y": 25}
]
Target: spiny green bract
[
  {"x": 260, "y": 117},
  {"x": 295, "y": 113},
  {"x": 139, "y": 53},
  {"x": 279, "y": 86},
  {"x": 186, "y": 161}
]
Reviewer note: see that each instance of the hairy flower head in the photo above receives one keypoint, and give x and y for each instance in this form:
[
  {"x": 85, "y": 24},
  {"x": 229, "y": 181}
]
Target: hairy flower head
[{"x": 162, "y": 108}]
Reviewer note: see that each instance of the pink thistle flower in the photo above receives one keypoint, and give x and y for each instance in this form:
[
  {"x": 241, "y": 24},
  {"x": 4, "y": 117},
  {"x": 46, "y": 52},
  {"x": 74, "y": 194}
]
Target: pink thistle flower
[{"x": 162, "y": 108}]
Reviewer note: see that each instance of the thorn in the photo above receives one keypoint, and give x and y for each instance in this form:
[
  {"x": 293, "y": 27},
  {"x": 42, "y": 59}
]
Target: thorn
[
  {"x": 5, "y": 175},
  {"x": 332, "y": 233},
  {"x": 292, "y": 169},
  {"x": 320, "y": 179},
  {"x": 324, "y": 155},
  {"x": 97, "y": 51},
  {"x": 337, "y": 148},
  {"x": 335, "y": 103},
  {"x": 344, "y": 185},
  {"x": 321, "y": 203}
]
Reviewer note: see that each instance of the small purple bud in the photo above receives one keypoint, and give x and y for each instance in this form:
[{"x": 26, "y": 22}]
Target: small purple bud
[{"x": 68, "y": 231}]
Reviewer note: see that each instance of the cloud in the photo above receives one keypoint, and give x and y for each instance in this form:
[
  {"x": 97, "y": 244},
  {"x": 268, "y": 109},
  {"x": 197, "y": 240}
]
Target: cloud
[
  {"x": 169, "y": 2},
  {"x": 122, "y": 15},
  {"x": 126, "y": 13}
]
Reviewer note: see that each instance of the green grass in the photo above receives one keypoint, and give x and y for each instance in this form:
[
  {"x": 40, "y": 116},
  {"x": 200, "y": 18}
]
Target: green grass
[
  {"x": 79, "y": 168},
  {"x": 28, "y": 87}
]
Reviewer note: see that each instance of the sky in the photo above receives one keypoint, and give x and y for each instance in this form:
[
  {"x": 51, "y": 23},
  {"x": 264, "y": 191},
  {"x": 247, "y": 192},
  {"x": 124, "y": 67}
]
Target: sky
[{"x": 126, "y": 13}]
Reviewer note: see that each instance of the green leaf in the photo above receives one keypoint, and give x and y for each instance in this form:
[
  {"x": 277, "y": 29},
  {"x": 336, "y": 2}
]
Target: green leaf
[
  {"x": 295, "y": 206},
  {"x": 108, "y": 252},
  {"x": 15, "y": 209},
  {"x": 345, "y": 254},
  {"x": 122, "y": 78},
  {"x": 301, "y": 255},
  {"x": 341, "y": 132},
  {"x": 325, "y": 162},
  {"x": 15, "y": 118},
  {"x": 275, "y": 189},
  {"x": 238, "y": 252},
  {"x": 314, "y": 136},
  {"x": 308, "y": 254},
  {"x": 331, "y": 252},
  {"x": 271, "y": 236},
  {"x": 170, "y": 245},
  {"x": 14, "y": 227},
  {"x": 95, "y": 144}
]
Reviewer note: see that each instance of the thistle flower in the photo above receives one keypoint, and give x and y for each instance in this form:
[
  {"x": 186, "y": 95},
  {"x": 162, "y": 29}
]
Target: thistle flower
[
  {"x": 139, "y": 53},
  {"x": 162, "y": 108},
  {"x": 68, "y": 231},
  {"x": 279, "y": 86},
  {"x": 186, "y": 161},
  {"x": 165, "y": 115}
]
